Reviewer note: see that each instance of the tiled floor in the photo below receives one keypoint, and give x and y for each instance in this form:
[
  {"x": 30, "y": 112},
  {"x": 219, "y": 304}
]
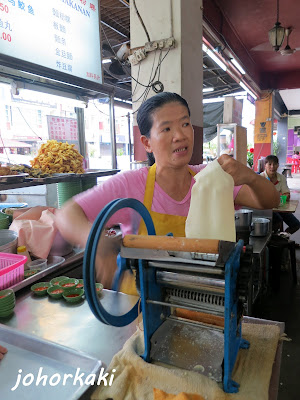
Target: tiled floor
[{"x": 285, "y": 306}]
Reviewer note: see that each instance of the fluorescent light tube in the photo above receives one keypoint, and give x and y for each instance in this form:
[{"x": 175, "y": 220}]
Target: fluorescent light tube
[
  {"x": 215, "y": 58},
  {"x": 208, "y": 89},
  {"x": 238, "y": 66},
  {"x": 248, "y": 90},
  {"x": 216, "y": 100}
]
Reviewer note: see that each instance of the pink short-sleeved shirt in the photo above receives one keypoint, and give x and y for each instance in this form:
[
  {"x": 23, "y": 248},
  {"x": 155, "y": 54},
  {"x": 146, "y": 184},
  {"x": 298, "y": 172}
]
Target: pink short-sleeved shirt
[{"x": 131, "y": 184}]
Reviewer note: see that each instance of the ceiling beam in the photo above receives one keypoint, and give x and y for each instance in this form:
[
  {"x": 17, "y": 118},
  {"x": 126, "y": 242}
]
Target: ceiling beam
[{"x": 113, "y": 29}]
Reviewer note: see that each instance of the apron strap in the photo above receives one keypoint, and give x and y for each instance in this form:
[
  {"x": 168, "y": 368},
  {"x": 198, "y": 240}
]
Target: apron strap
[{"x": 149, "y": 189}]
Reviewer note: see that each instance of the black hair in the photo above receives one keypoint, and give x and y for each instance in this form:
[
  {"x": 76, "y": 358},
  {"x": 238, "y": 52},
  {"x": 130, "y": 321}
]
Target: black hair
[
  {"x": 148, "y": 108},
  {"x": 271, "y": 159},
  {"x": 297, "y": 152}
]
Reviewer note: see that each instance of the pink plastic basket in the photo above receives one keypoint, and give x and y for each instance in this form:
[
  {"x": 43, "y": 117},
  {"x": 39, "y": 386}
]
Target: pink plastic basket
[{"x": 11, "y": 269}]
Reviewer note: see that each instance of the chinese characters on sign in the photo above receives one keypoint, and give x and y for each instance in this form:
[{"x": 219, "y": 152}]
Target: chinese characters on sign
[
  {"x": 61, "y": 128},
  {"x": 62, "y": 35},
  {"x": 63, "y": 56}
]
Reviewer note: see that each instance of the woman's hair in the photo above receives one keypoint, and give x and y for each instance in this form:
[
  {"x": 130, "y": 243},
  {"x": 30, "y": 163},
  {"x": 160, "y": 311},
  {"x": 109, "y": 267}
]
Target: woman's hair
[
  {"x": 297, "y": 152},
  {"x": 147, "y": 109},
  {"x": 271, "y": 159}
]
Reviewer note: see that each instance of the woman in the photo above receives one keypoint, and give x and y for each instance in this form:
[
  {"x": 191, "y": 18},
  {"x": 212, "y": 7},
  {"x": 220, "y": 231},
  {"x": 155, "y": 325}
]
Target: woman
[
  {"x": 280, "y": 183},
  {"x": 165, "y": 188}
]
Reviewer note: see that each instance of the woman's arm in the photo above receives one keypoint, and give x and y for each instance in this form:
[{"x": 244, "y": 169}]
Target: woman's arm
[
  {"x": 75, "y": 227},
  {"x": 73, "y": 224},
  {"x": 256, "y": 192}
]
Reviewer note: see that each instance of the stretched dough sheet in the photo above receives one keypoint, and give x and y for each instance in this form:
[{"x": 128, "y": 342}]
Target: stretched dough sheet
[{"x": 211, "y": 214}]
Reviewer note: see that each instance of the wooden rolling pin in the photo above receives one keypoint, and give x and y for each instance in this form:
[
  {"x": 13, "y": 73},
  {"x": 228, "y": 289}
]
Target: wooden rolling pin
[
  {"x": 200, "y": 317},
  {"x": 172, "y": 243}
]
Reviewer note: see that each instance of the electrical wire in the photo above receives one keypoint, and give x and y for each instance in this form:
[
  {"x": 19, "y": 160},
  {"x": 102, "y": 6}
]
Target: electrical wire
[
  {"x": 137, "y": 79},
  {"x": 107, "y": 115},
  {"x": 142, "y": 22},
  {"x": 28, "y": 124},
  {"x": 150, "y": 84},
  {"x": 4, "y": 149}
]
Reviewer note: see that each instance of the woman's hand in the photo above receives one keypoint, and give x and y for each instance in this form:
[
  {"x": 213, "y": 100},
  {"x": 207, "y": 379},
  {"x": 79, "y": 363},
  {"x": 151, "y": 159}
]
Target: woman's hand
[
  {"x": 3, "y": 351},
  {"x": 106, "y": 258},
  {"x": 242, "y": 175},
  {"x": 256, "y": 192}
]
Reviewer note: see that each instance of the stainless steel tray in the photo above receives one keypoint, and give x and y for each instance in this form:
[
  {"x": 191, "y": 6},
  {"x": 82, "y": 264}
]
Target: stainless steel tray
[
  {"x": 31, "y": 354},
  {"x": 53, "y": 263},
  {"x": 13, "y": 178}
]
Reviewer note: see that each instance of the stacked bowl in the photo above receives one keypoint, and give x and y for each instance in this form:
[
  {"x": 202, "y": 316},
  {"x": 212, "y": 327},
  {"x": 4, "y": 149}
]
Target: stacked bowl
[{"x": 7, "y": 302}]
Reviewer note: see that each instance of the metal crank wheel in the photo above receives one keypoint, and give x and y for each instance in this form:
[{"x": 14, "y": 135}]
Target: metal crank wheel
[{"x": 90, "y": 259}]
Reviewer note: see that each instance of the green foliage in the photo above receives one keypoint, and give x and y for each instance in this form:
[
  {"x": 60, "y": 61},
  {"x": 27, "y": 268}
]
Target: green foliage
[
  {"x": 250, "y": 159},
  {"x": 276, "y": 148}
]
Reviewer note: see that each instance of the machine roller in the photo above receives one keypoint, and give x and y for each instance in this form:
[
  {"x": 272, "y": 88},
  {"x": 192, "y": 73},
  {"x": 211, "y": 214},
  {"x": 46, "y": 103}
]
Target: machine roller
[{"x": 192, "y": 293}]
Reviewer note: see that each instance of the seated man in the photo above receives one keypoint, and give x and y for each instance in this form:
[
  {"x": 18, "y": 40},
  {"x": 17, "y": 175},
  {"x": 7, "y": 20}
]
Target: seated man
[{"x": 270, "y": 172}]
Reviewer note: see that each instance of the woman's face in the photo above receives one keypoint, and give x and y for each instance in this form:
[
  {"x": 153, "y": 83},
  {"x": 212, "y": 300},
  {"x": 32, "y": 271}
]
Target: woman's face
[{"x": 171, "y": 136}]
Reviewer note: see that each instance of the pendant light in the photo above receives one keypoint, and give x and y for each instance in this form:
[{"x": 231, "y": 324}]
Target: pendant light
[{"x": 276, "y": 34}]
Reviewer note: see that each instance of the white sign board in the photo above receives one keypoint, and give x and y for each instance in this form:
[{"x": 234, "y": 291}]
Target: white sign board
[{"x": 62, "y": 35}]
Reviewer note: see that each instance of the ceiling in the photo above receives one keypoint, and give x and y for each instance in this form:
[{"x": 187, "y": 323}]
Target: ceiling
[
  {"x": 236, "y": 27},
  {"x": 242, "y": 27}
]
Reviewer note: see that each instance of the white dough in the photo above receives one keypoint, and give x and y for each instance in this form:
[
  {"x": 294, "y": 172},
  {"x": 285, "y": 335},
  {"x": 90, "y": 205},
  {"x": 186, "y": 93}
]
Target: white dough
[{"x": 211, "y": 214}]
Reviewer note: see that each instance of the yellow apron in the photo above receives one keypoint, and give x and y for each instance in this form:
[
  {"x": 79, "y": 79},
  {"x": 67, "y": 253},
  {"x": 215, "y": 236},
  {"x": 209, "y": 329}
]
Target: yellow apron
[{"x": 163, "y": 223}]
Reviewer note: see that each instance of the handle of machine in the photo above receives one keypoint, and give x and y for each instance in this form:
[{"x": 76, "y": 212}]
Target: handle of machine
[
  {"x": 172, "y": 243},
  {"x": 90, "y": 257}
]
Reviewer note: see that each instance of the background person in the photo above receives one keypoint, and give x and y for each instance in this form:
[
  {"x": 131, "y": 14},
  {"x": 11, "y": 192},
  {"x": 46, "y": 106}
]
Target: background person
[
  {"x": 280, "y": 183},
  {"x": 164, "y": 188}
]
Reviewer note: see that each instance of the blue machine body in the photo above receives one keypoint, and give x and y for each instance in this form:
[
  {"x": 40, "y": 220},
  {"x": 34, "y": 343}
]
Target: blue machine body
[{"x": 150, "y": 289}]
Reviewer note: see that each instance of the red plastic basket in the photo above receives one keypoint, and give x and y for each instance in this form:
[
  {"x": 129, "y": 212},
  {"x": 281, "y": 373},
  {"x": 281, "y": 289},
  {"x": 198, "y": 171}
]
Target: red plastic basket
[{"x": 11, "y": 269}]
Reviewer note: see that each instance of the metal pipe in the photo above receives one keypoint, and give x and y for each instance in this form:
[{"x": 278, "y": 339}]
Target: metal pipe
[
  {"x": 125, "y": 3},
  {"x": 113, "y": 29},
  {"x": 81, "y": 131},
  {"x": 112, "y": 132},
  {"x": 201, "y": 307},
  {"x": 129, "y": 137},
  {"x": 188, "y": 281}
]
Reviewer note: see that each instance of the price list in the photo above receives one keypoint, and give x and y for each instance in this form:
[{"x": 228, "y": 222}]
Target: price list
[
  {"x": 62, "y": 35},
  {"x": 61, "y": 128}
]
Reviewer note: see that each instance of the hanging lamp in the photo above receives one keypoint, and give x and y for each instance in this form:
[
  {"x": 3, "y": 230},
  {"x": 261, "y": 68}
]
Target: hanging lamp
[{"x": 276, "y": 34}]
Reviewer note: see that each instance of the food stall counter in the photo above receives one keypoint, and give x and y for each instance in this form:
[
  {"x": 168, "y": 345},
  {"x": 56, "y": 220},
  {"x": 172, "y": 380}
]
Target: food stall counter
[{"x": 75, "y": 325}]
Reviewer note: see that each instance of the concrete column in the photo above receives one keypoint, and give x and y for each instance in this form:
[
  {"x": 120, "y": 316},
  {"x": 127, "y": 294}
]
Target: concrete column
[
  {"x": 181, "y": 69},
  {"x": 263, "y": 129}
]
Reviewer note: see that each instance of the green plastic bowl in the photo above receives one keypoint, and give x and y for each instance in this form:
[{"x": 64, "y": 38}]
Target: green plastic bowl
[
  {"x": 6, "y": 314},
  {"x": 54, "y": 288},
  {"x": 54, "y": 281},
  {"x": 68, "y": 282},
  {"x": 6, "y": 309},
  {"x": 99, "y": 288},
  {"x": 8, "y": 297},
  {"x": 80, "y": 284},
  {"x": 4, "y": 304},
  {"x": 34, "y": 288},
  {"x": 75, "y": 293},
  {"x": 29, "y": 272}
]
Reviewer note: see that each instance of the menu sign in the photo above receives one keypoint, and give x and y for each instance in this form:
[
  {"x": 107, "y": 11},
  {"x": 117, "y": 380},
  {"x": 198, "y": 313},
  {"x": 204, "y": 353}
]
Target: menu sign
[
  {"x": 62, "y": 35},
  {"x": 61, "y": 128}
]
